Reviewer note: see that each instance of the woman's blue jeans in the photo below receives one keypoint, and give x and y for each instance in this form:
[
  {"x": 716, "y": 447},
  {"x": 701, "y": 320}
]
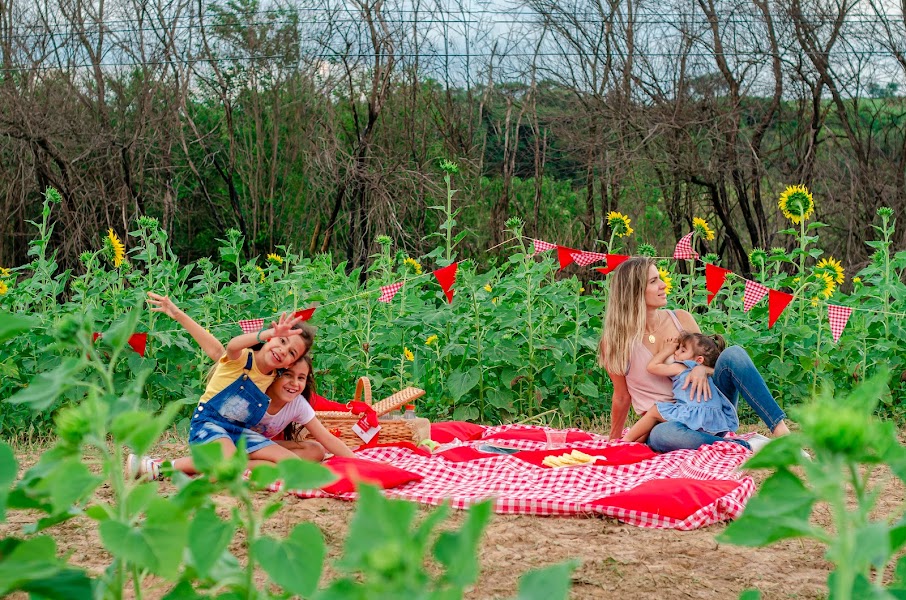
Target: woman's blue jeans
[{"x": 736, "y": 375}]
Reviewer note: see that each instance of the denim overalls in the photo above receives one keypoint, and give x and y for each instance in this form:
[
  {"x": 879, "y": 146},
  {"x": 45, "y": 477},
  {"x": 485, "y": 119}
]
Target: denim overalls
[{"x": 231, "y": 413}]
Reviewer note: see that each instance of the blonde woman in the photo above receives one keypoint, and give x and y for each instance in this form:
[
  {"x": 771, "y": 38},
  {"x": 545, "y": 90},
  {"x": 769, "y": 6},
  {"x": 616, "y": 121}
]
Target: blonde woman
[{"x": 636, "y": 327}]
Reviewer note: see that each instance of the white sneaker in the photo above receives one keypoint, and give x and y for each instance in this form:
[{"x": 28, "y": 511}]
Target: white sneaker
[
  {"x": 143, "y": 467},
  {"x": 758, "y": 441}
]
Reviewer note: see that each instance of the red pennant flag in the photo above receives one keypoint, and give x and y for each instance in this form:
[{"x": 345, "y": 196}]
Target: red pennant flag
[
  {"x": 777, "y": 301},
  {"x": 565, "y": 255},
  {"x": 613, "y": 261},
  {"x": 306, "y": 313},
  {"x": 714, "y": 280},
  {"x": 838, "y": 317},
  {"x": 446, "y": 277},
  {"x": 137, "y": 341},
  {"x": 754, "y": 292},
  {"x": 684, "y": 247},
  {"x": 389, "y": 291}
]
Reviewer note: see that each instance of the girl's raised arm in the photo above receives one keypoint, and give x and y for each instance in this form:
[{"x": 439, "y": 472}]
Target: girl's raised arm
[{"x": 211, "y": 345}]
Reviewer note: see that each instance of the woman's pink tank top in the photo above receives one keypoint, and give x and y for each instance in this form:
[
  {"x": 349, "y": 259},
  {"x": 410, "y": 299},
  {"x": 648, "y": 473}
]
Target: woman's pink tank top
[{"x": 645, "y": 388}]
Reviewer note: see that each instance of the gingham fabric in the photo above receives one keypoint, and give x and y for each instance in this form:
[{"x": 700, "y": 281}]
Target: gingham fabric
[
  {"x": 518, "y": 487},
  {"x": 684, "y": 247},
  {"x": 838, "y": 317},
  {"x": 251, "y": 325},
  {"x": 754, "y": 292},
  {"x": 583, "y": 259},
  {"x": 542, "y": 246},
  {"x": 389, "y": 291}
]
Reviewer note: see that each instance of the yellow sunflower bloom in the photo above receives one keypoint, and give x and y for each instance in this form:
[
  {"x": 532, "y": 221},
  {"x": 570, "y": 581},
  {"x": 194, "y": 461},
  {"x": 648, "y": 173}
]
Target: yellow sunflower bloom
[
  {"x": 832, "y": 267},
  {"x": 796, "y": 203},
  {"x": 5, "y": 272},
  {"x": 411, "y": 262},
  {"x": 275, "y": 259},
  {"x": 619, "y": 223},
  {"x": 827, "y": 286},
  {"x": 3, "y": 287},
  {"x": 260, "y": 274},
  {"x": 407, "y": 354},
  {"x": 432, "y": 339},
  {"x": 487, "y": 287},
  {"x": 114, "y": 249},
  {"x": 701, "y": 227},
  {"x": 665, "y": 276},
  {"x": 857, "y": 280}
]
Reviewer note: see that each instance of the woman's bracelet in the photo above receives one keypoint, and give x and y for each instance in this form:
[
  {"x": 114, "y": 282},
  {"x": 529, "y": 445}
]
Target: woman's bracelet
[{"x": 258, "y": 336}]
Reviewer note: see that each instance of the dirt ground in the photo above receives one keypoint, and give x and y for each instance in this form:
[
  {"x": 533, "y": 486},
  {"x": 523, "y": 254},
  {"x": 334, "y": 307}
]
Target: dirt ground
[{"x": 617, "y": 560}]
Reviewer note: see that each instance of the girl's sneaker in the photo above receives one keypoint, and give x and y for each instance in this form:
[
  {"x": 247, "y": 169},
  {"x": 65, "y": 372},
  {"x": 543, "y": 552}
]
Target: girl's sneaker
[{"x": 143, "y": 467}]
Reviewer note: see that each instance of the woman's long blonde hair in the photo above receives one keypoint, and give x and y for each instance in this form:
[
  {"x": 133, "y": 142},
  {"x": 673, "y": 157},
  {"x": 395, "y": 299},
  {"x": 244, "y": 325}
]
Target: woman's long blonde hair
[{"x": 624, "y": 320}]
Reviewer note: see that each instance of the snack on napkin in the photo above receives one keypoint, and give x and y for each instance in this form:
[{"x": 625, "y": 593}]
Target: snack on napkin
[{"x": 570, "y": 459}]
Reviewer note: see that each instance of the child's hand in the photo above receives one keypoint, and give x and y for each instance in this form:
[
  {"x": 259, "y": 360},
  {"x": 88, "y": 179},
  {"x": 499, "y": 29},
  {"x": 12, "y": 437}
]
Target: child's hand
[
  {"x": 283, "y": 327},
  {"x": 672, "y": 343},
  {"x": 162, "y": 304}
]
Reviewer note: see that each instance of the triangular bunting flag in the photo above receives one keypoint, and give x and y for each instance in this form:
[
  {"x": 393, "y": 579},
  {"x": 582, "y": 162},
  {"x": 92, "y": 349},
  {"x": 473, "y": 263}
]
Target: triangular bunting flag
[
  {"x": 838, "y": 316},
  {"x": 583, "y": 259},
  {"x": 754, "y": 292},
  {"x": 137, "y": 341},
  {"x": 251, "y": 325},
  {"x": 305, "y": 313},
  {"x": 714, "y": 279},
  {"x": 613, "y": 261},
  {"x": 777, "y": 301},
  {"x": 446, "y": 277},
  {"x": 389, "y": 291},
  {"x": 684, "y": 247},
  {"x": 565, "y": 255},
  {"x": 542, "y": 246}
]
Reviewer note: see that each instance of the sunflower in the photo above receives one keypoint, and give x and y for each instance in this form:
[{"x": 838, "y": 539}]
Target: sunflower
[
  {"x": 796, "y": 203},
  {"x": 832, "y": 267},
  {"x": 668, "y": 280},
  {"x": 487, "y": 287},
  {"x": 619, "y": 223},
  {"x": 260, "y": 274},
  {"x": 827, "y": 285},
  {"x": 5, "y": 272},
  {"x": 700, "y": 227},
  {"x": 411, "y": 262},
  {"x": 758, "y": 258},
  {"x": 646, "y": 250},
  {"x": 3, "y": 287},
  {"x": 114, "y": 249},
  {"x": 275, "y": 259},
  {"x": 857, "y": 280},
  {"x": 407, "y": 354},
  {"x": 432, "y": 339}
]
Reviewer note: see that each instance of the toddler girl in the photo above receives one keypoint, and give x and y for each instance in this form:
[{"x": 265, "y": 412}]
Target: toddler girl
[{"x": 716, "y": 416}]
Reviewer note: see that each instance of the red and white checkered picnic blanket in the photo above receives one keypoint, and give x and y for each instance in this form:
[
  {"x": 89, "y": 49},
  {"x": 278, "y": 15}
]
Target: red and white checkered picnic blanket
[{"x": 518, "y": 487}]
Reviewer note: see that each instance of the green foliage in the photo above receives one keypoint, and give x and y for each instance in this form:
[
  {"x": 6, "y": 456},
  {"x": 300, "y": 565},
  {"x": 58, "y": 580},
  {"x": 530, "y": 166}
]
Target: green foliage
[{"x": 849, "y": 444}]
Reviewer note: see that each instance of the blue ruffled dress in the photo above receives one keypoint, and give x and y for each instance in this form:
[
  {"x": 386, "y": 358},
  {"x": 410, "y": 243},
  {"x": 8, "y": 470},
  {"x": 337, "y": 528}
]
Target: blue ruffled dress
[{"x": 715, "y": 416}]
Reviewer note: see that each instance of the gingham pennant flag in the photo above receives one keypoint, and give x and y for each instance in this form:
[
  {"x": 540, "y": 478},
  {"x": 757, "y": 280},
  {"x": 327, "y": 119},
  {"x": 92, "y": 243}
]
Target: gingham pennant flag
[
  {"x": 583, "y": 259},
  {"x": 251, "y": 325},
  {"x": 389, "y": 291},
  {"x": 684, "y": 247},
  {"x": 542, "y": 246},
  {"x": 838, "y": 317},
  {"x": 754, "y": 292}
]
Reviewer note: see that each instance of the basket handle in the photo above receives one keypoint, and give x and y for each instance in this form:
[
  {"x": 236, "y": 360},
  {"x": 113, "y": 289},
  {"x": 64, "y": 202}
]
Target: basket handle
[{"x": 363, "y": 386}]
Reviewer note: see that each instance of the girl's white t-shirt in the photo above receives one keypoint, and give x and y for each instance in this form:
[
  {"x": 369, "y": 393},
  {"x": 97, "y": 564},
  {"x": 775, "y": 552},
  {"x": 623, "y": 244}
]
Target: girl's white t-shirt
[{"x": 297, "y": 411}]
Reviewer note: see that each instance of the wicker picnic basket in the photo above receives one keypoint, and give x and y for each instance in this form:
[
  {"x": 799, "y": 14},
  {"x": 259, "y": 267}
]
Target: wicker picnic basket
[{"x": 392, "y": 430}]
